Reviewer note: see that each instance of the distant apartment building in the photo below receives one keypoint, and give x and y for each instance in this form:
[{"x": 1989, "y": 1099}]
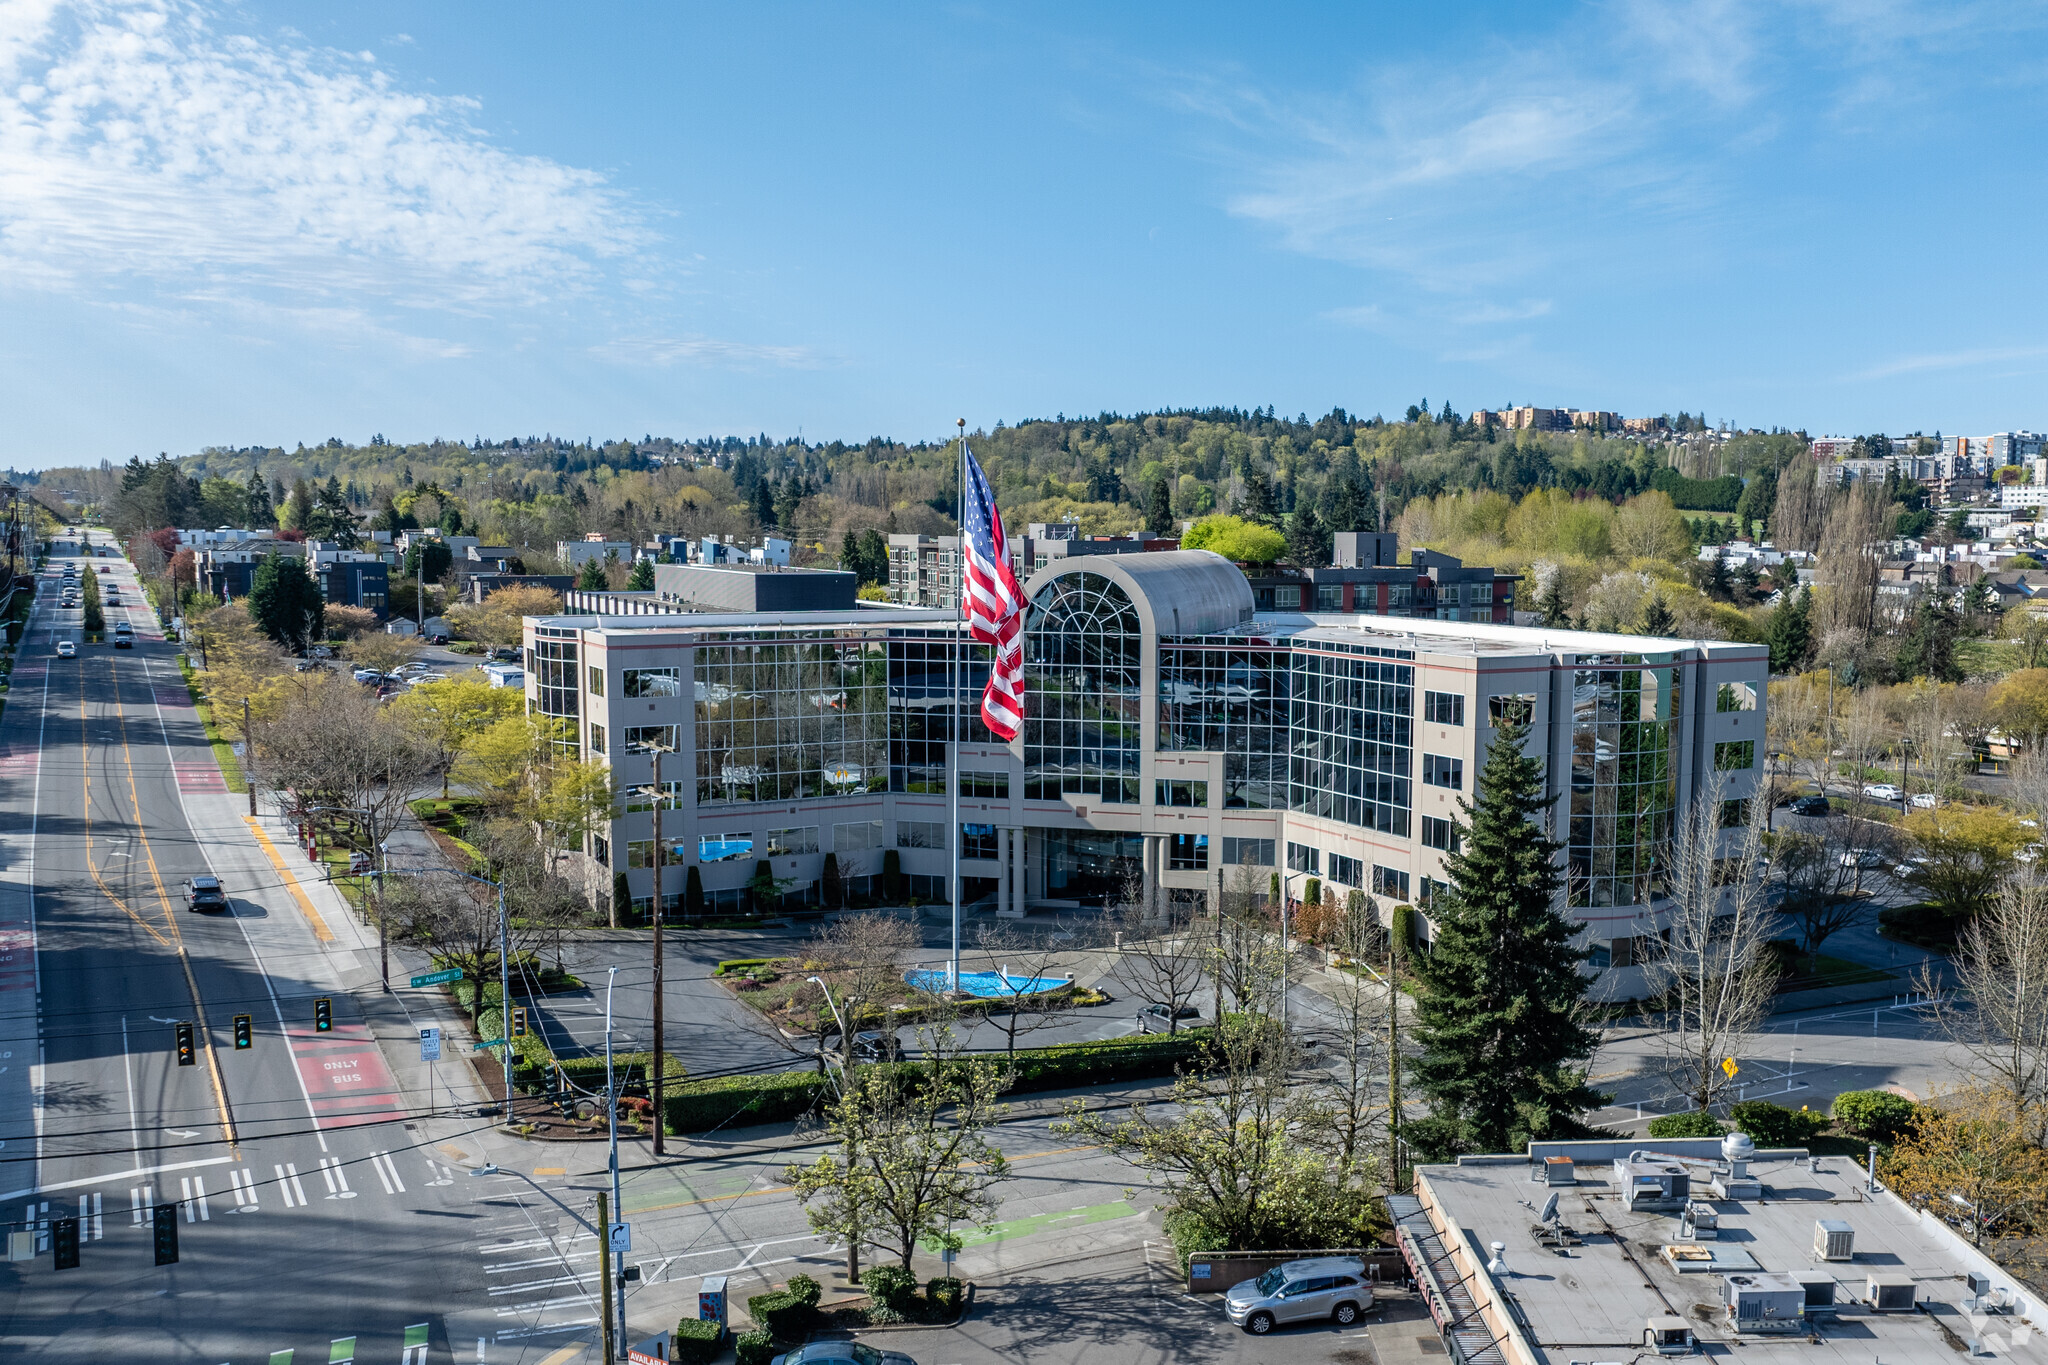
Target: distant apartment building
[
  {"x": 1525, "y": 419},
  {"x": 924, "y": 571},
  {"x": 723, "y": 550},
  {"x": 1367, "y": 578},
  {"x": 1594, "y": 421},
  {"x": 1832, "y": 447},
  {"x": 575, "y": 554},
  {"x": 1642, "y": 426}
]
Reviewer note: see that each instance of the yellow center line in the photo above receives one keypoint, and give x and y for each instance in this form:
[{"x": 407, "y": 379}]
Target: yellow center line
[
  {"x": 85, "y": 766},
  {"x": 291, "y": 883},
  {"x": 220, "y": 1090}
]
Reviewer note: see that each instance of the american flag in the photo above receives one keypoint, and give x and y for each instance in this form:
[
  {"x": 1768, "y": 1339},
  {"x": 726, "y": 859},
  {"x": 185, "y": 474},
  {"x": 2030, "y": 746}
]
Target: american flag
[{"x": 994, "y": 605}]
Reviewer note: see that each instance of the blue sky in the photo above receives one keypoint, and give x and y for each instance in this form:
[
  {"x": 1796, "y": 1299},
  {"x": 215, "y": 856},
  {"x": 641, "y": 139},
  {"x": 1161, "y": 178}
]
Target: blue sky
[{"x": 275, "y": 223}]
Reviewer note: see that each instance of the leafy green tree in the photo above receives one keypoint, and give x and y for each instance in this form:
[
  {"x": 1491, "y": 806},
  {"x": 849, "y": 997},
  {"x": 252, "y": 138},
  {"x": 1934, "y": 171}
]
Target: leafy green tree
[
  {"x": 1159, "y": 506},
  {"x": 89, "y": 600},
  {"x": 1235, "y": 539},
  {"x": 285, "y": 603},
  {"x": 592, "y": 578},
  {"x": 1503, "y": 1048},
  {"x": 1759, "y": 495},
  {"x": 1789, "y": 632},
  {"x": 642, "y": 579}
]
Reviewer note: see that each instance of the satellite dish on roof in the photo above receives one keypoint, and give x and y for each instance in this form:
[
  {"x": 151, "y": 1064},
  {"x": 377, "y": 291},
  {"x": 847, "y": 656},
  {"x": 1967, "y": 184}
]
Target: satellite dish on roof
[{"x": 1549, "y": 1214}]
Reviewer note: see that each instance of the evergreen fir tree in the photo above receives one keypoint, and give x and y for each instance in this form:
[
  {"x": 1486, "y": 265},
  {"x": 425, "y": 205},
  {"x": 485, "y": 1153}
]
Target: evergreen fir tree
[
  {"x": 592, "y": 578},
  {"x": 1502, "y": 1046},
  {"x": 1657, "y": 618},
  {"x": 1159, "y": 506},
  {"x": 1789, "y": 632},
  {"x": 1929, "y": 647},
  {"x": 1308, "y": 544},
  {"x": 261, "y": 513},
  {"x": 643, "y": 577}
]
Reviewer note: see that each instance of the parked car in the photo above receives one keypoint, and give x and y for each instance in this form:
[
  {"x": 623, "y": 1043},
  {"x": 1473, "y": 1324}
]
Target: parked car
[
  {"x": 1322, "y": 1288},
  {"x": 841, "y": 1353},
  {"x": 205, "y": 893},
  {"x": 1865, "y": 858},
  {"x": 1157, "y": 1017},
  {"x": 876, "y": 1046},
  {"x": 437, "y": 639},
  {"x": 367, "y": 675},
  {"x": 319, "y": 652},
  {"x": 66, "y": 650},
  {"x": 504, "y": 656},
  {"x": 1924, "y": 801},
  {"x": 1881, "y": 791},
  {"x": 1811, "y": 805}
]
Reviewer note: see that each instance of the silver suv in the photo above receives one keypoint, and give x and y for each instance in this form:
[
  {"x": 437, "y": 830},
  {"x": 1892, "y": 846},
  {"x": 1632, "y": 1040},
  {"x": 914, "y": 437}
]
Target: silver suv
[{"x": 1326, "y": 1287}]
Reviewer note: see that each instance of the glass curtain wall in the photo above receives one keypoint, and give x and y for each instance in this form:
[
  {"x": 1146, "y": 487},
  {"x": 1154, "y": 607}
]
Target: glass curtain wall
[
  {"x": 920, "y": 718},
  {"x": 1353, "y": 760},
  {"x": 1624, "y": 780},
  {"x": 558, "y": 690},
  {"x": 1083, "y": 656},
  {"x": 1232, "y": 700},
  {"x": 803, "y": 714}
]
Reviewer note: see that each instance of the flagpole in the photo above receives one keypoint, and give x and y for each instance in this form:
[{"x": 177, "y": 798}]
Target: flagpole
[{"x": 953, "y": 680}]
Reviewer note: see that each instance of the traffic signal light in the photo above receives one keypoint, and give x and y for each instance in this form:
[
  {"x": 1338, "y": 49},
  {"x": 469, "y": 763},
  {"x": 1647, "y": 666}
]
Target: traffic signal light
[
  {"x": 519, "y": 1021},
  {"x": 187, "y": 1053},
  {"x": 64, "y": 1241},
  {"x": 165, "y": 1217},
  {"x": 323, "y": 1015},
  {"x": 243, "y": 1041}
]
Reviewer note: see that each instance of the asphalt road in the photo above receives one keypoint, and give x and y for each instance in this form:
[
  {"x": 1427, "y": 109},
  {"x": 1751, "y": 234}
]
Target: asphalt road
[{"x": 321, "y": 1210}]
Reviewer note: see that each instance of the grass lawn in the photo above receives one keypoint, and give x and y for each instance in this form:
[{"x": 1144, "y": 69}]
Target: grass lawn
[{"x": 1831, "y": 971}]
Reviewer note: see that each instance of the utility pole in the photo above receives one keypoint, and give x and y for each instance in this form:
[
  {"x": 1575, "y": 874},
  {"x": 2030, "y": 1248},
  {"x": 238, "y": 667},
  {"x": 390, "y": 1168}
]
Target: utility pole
[
  {"x": 248, "y": 758},
  {"x": 1393, "y": 1059},
  {"x": 655, "y": 1081},
  {"x": 604, "y": 1266}
]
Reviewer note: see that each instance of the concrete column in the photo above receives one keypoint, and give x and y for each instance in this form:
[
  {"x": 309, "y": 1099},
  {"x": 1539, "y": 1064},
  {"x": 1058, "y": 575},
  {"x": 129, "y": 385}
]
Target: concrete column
[
  {"x": 1152, "y": 864},
  {"x": 1003, "y": 842}
]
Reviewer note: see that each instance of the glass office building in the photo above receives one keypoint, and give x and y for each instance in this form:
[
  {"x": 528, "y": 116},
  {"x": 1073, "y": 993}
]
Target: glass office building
[{"x": 1176, "y": 740}]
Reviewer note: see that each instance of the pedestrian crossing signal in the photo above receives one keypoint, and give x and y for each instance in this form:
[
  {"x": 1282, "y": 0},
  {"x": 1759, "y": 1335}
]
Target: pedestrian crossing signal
[
  {"x": 187, "y": 1049},
  {"x": 165, "y": 1229},
  {"x": 243, "y": 1040},
  {"x": 64, "y": 1242},
  {"x": 323, "y": 1015},
  {"x": 519, "y": 1021}
]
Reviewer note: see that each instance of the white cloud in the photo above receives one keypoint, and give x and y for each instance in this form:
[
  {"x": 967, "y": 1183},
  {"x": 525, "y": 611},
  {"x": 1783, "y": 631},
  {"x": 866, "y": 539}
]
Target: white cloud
[
  {"x": 139, "y": 142},
  {"x": 1951, "y": 360},
  {"x": 703, "y": 350}
]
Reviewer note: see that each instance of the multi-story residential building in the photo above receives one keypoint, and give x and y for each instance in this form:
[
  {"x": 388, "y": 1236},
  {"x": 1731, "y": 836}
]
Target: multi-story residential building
[
  {"x": 350, "y": 578},
  {"x": 2013, "y": 447},
  {"x": 1594, "y": 421},
  {"x": 924, "y": 571},
  {"x": 1832, "y": 447},
  {"x": 575, "y": 554},
  {"x": 1367, "y": 577},
  {"x": 1175, "y": 737}
]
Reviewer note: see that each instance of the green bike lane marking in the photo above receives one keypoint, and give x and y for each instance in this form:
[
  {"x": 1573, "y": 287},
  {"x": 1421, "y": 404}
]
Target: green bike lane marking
[{"x": 1044, "y": 1222}]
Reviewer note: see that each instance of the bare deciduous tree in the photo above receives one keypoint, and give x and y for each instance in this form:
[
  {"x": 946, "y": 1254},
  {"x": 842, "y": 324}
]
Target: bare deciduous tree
[
  {"x": 1159, "y": 957},
  {"x": 1020, "y": 953},
  {"x": 1715, "y": 979},
  {"x": 2001, "y": 976},
  {"x": 1246, "y": 958},
  {"x": 862, "y": 959},
  {"x": 1820, "y": 876},
  {"x": 1852, "y": 544},
  {"x": 1350, "y": 1013}
]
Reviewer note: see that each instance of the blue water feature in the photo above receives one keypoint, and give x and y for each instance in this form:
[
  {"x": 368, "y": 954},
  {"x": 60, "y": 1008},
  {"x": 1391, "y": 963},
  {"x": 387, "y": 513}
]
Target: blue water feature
[{"x": 989, "y": 985}]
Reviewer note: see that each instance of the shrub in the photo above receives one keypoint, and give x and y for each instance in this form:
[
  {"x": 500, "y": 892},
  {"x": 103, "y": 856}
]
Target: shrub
[
  {"x": 1876, "y": 1115},
  {"x": 694, "y": 1106},
  {"x": 783, "y": 1314},
  {"x": 944, "y": 1294},
  {"x": 805, "y": 1288},
  {"x": 755, "y": 1347},
  {"x": 1404, "y": 926},
  {"x": 698, "y": 1343},
  {"x": 890, "y": 1286},
  {"x": 1773, "y": 1125},
  {"x": 892, "y": 875},
  {"x": 740, "y": 964},
  {"x": 1697, "y": 1123}
]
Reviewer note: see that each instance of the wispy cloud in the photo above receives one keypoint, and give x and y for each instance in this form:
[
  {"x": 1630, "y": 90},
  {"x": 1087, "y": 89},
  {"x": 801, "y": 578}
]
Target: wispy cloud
[
  {"x": 1951, "y": 360},
  {"x": 660, "y": 351},
  {"x": 138, "y": 142}
]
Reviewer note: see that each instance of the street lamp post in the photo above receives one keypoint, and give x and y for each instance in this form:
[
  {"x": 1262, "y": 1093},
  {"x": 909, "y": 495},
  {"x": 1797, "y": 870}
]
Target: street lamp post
[
  {"x": 660, "y": 865},
  {"x": 611, "y": 1096}
]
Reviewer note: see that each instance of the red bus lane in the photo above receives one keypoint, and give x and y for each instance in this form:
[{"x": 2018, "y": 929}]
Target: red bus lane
[{"x": 346, "y": 1077}]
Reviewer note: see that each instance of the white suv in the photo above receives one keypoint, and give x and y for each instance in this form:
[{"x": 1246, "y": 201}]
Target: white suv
[{"x": 1323, "y": 1288}]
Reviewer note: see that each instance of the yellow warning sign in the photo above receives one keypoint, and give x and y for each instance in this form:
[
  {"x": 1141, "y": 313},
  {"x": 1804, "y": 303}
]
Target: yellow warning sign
[{"x": 1728, "y": 1067}]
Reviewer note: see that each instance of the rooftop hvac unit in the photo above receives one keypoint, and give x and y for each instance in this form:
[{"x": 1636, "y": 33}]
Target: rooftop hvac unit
[
  {"x": 1668, "y": 1336},
  {"x": 1833, "y": 1241},
  {"x": 1768, "y": 1301},
  {"x": 1559, "y": 1170},
  {"x": 1890, "y": 1293},
  {"x": 1820, "y": 1293}
]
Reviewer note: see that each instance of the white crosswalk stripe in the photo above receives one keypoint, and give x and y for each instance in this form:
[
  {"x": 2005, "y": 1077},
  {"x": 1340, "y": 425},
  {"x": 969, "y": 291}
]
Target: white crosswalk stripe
[
  {"x": 90, "y": 1226},
  {"x": 337, "y": 1179},
  {"x": 141, "y": 1200},
  {"x": 288, "y": 1186},
  {"x": 387, "y": 1172},
  {"x": 243, "y": 1184},
  {"x": 193, "y": 1192}
]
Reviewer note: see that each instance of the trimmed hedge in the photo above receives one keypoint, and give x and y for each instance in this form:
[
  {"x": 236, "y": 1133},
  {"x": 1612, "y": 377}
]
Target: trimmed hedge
[
  {"x": 1874, "y": 1115},
  {"x": 740, "y": 964},
  {"x": 891, "y": 1286},
  {"x": 1773, "y": 1125},
  {"x": 697, "y": 1343},
  {"x": 787, "y": 1313},
  {"x": 631, "y": 1068},
  {"x": 755, "y": 1347},
  {"x": 694, "y": 1106},
  {"x": 1692, "y": 1124},
  {"x": 945, "y": 1293}
]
